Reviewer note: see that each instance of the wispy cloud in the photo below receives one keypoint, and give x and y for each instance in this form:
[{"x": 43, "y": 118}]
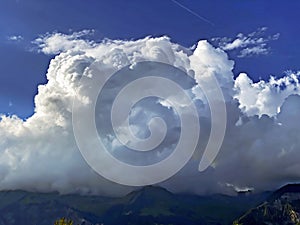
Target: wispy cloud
[
  {"x": 15, "y": 38},
  {"x": 255, "y": 43}
]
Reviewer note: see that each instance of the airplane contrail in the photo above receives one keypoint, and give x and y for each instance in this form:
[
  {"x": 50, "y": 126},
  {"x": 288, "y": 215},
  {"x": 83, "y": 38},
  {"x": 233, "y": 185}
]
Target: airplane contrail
[{"x": 192, "y": 12}]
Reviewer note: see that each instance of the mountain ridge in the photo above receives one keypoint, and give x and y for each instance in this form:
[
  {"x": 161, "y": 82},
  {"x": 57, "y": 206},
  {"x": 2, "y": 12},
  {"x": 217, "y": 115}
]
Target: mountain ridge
[
  {"x": 148, "y": 205},
  {"x": 282, "y": 207},
  {"x": 151, "y": 205}
]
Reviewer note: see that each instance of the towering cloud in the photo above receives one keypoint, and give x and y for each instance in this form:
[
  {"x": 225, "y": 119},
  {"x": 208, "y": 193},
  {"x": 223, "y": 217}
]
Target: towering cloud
[{"x": 261, "y": 146}]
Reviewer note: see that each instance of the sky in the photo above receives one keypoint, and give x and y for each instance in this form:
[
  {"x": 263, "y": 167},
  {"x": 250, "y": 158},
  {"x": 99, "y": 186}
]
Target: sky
[
  {"x": 250, "y": 47},
  {"x": 23, "y": 68}
]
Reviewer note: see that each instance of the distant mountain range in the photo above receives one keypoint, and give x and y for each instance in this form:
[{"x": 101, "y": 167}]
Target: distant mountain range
[{"x": 152, "y": 205}]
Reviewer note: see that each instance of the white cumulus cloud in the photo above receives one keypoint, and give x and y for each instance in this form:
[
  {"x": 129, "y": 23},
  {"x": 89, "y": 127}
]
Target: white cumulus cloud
[
  {"x": 40, "y": 153},
  {"x": 265, "y": 97}
]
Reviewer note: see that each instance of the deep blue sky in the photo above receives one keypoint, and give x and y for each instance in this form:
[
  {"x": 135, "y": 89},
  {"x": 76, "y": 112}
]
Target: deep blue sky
[{"x": 22, "y": 70}]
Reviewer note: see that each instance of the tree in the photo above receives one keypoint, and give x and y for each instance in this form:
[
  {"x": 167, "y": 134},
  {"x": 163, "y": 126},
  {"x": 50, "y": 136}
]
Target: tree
[{"x": 63, "y": 221}]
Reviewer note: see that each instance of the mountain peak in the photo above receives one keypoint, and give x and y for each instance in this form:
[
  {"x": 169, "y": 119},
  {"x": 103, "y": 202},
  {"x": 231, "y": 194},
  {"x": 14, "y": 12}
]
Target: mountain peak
[
  {"x": 151, "y": 188},
  {"x": 282, "y": 207},
  {"x": 289, "y": 188},
  {"x": 149, "y": 193}
]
